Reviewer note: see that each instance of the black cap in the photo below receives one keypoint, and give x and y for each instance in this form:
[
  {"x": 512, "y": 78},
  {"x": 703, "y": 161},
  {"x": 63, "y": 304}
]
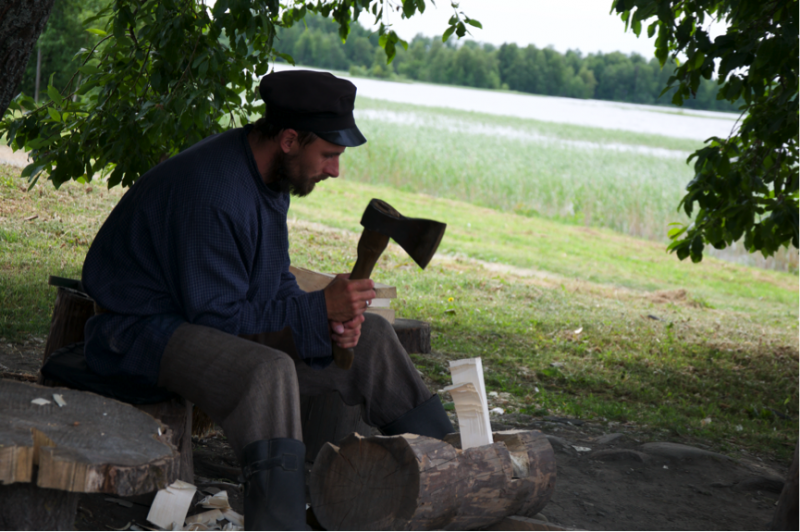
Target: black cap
[{"x": 312, "y": 101}]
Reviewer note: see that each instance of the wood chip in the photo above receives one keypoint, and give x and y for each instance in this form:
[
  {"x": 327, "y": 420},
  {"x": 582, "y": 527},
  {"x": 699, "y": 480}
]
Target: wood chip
[
  {"x": 233, "y": 516},
  {"x": 205, "y": 518},
  {"x": 220, "y": 500},
  {"x": 41, "y": 401},
  {"x": 31, "y": 218},
  {"x": 59, "y": 399},
  {"x": 171, "y": 505}
]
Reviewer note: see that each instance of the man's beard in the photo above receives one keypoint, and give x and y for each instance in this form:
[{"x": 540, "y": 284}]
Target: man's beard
[{"x": 288, "y": 178}]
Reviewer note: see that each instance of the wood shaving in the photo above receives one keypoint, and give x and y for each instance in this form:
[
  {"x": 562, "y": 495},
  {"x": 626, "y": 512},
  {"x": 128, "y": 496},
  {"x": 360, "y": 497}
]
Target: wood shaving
[{"x": 41, "y": 401}]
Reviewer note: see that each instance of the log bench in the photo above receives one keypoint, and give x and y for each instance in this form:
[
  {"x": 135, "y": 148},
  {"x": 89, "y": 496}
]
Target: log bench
[
  {"x": 411, "y": 482},
  {"x": 325, "y": 418},
  {"x": 54, "y": 448}
]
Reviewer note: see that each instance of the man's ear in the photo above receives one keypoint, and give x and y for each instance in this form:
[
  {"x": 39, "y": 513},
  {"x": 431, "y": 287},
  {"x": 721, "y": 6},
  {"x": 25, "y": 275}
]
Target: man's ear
[{"x": 287, "y": 139}]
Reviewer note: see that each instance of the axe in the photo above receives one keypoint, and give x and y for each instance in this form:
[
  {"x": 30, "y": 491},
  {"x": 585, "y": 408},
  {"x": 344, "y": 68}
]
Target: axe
[{"x": 419, "y": 237}]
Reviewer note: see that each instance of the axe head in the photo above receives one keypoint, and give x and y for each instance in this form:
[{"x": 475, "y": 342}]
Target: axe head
[{"x": 419, "y": 237}]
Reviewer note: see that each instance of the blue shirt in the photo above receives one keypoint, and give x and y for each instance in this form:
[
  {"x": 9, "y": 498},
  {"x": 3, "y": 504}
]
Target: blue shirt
[{"x": 201, "y": 239}]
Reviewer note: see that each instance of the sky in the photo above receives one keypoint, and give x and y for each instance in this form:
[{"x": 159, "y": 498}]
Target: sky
[{"x": 584, "y": 25}]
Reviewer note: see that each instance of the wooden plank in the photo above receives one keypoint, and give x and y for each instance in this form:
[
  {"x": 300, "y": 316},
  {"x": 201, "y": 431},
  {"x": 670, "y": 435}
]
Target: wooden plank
[
  {"x": 472, "y": 414},
  {"x": 311, "y": 281},
  {"x": 476, "y": 429}
]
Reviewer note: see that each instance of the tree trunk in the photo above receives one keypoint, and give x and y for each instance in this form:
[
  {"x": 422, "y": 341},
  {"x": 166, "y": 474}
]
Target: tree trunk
[
  {"x": 786, "y": 514},
  {"x": 411, "y": 482},
  {"x": 21, "y": 23},
  {"x": 415, "y": 335}
]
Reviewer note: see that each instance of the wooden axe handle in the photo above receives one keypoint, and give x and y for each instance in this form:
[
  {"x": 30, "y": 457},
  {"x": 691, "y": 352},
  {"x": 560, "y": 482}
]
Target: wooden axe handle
[{"x": 370, "y": 247}]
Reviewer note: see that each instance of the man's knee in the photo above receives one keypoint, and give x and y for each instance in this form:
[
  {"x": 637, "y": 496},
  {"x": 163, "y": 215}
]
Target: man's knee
[{"x": 273, "y": 366}]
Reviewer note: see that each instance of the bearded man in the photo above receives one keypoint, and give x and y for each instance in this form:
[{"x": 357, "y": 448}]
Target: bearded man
[{"x": 191, "y": 271}]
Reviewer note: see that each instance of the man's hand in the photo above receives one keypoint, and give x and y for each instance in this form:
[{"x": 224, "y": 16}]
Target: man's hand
[
  {"x": 346, "y": 299},
  {"x": 346, "y": 335}
]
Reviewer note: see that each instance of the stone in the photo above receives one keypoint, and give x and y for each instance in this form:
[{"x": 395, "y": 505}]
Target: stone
[
  {"x": 760, "y": 483},
  {"x": 619, "y": 455},
  {"x": 560, "y": 445},
  {"x": 681, "y": 452},
  {"x": 608, "y": 438}
]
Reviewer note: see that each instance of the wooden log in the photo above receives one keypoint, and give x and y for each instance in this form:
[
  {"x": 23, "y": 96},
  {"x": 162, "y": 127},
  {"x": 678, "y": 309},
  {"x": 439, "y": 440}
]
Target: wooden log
[
  {"x": 326, "y": 418},
  {"x": 786, "y": 514},
  {"x": 390, "y": 480},
  {"x": 412, "y": 482},
  {"x": 176, "y": 414},
  {"x": 414, "y": 335},
  {"x": 90, "y": 444},
  {"x": 70, "y": 313}
]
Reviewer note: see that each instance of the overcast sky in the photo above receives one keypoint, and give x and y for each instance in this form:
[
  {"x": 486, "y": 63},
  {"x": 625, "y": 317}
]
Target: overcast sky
[{"x": 584, "y": 25}]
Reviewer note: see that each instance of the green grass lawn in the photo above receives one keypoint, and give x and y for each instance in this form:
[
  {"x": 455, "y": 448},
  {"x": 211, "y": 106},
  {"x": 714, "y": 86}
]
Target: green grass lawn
[{"x": 569, "y": 320}]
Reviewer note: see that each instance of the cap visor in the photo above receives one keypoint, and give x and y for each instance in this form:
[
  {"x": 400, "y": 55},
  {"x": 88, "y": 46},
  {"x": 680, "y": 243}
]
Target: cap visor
[{"x": 349, "y": 137}]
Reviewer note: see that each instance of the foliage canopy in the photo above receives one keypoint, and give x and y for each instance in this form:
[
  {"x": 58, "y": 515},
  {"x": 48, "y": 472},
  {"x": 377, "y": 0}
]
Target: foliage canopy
[
  {"x": 167, "y": 73},
  {"x": 745, "y": 185}
]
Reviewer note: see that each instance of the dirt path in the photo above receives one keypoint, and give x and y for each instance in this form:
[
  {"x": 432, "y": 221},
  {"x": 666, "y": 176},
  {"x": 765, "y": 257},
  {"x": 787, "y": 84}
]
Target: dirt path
[
  {"x": 10, "y": 157},
  {"x": 609, "y": 477}
]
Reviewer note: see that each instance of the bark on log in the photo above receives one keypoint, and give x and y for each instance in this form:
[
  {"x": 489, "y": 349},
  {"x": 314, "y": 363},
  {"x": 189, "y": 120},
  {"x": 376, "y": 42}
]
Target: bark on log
[
  {"x": 326, "y": 418},
  {"x": 411, "y": 482},
  {"x": 21, "y": 23},
  {"x": 786, "y": 514},
  {"x": 70, "y": 313},
  {"x": 415, "y": 335},
  {"x": 91, "y": 444}
]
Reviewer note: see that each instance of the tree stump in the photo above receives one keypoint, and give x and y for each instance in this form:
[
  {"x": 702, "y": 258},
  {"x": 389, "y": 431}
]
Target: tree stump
[
  {"x": 412, "y": 482},
  {"x": 91, "y": 444},
  {"x": 71, "y": 312},
  {"x": 414, "y": 335}
]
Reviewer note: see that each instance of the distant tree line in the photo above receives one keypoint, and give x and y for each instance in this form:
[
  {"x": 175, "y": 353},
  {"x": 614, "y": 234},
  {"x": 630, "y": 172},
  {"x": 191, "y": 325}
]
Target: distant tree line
[{"x": 610, "y": 76}]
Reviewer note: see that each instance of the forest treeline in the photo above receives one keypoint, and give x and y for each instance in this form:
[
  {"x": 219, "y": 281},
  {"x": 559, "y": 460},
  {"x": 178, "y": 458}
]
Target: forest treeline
[
  {"x": 603, "y": 76},
  {"x": 612, "y": 76}
]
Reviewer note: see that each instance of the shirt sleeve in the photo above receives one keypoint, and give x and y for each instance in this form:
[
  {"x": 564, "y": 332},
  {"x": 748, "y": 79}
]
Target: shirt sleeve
[{"x": 217, "y": 255}]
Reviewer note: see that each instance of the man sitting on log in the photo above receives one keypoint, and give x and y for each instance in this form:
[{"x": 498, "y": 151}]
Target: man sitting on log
[{"x": 191, "y": 276}]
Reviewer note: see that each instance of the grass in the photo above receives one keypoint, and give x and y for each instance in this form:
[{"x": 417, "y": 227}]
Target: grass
[
  {"x": 628, "y": 182},
  {"x": 568, "y": 320}
]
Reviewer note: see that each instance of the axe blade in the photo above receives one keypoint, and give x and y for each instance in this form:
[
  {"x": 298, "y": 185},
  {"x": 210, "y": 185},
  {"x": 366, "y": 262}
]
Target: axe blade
[{"x": 419, "y": 237}]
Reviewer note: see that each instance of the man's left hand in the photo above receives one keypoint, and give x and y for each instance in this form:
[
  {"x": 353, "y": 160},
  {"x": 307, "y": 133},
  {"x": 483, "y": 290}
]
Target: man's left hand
[{"x": 346, "y": 334}]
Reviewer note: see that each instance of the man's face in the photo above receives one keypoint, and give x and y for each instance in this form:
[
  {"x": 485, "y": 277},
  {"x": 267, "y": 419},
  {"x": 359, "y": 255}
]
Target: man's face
[{"x": 299, "y": 170}]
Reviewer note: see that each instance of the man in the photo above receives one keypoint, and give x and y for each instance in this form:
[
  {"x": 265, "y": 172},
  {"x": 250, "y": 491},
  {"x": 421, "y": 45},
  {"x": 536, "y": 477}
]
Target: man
[{"x": 194, "y": 259}]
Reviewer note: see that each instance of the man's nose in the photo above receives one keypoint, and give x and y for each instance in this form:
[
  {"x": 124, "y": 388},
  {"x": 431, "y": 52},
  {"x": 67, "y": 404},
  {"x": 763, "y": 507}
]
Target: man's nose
[{"x": 332, "y": 169}]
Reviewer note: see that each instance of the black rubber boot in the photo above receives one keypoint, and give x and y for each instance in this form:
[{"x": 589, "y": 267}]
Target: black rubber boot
[
  {"x": 274, "y": 485},
  {"x": 428, "y": 419}
]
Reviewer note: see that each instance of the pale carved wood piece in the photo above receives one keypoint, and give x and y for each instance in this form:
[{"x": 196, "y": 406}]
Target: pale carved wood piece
[{"x": 469, "y": 392}]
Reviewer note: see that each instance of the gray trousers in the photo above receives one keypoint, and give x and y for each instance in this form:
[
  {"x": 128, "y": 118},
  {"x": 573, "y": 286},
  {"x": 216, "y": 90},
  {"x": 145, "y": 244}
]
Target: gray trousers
[{"x": 251, "y": 386}]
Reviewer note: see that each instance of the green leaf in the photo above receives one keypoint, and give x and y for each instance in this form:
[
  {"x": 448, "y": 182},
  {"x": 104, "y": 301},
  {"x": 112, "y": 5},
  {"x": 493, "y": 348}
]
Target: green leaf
[
  {"x": 54, "y": 114},
  {"x": 96, "y": 31},
  {"x": 473, "y": 22},
  {"x": 54, "y": 94},
  {"x": 89, "y": 70},
  {"x": 448, "y": 32}
]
